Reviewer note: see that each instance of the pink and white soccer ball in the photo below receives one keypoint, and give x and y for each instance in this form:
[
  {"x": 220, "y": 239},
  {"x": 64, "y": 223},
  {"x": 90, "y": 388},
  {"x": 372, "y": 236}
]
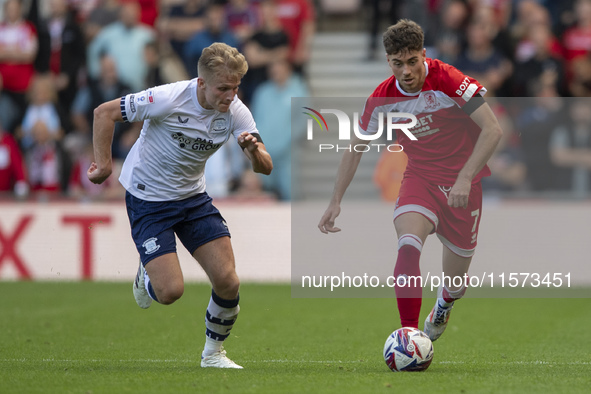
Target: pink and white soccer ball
[{"x": 408, "y": 349}]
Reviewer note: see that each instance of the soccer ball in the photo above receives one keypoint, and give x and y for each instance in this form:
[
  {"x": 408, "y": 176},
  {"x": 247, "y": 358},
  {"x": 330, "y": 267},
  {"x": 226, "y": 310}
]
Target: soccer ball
[{"x": 408, "y": 349}]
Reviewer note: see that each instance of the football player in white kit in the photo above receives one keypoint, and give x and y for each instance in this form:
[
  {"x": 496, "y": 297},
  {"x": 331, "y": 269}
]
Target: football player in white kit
[{"x": 183, "y": 124}]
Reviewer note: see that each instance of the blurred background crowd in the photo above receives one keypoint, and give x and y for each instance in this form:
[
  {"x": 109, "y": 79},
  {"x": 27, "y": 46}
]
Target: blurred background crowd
[{"x": 59, "y": 59}]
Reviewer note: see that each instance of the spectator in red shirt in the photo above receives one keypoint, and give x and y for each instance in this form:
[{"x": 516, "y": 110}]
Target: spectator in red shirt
[
  {"x": 18, "y": 48},
  {"x": 298, "y": 20},
  {"x": 149, "y": 12},
  {"x": 577, "y": 39},
  {"x": 13, "y": 175}
]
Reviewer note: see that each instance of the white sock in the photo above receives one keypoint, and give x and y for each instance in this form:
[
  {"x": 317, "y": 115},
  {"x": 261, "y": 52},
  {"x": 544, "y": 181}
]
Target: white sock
[
  {"x": 211, "y": 346},
  {"x": 147, "y": 282},
  {"x": 220, "y": 317},
  {"x": 148, "y": 287}
]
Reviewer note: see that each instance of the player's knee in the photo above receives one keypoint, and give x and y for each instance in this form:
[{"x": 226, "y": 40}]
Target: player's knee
[
  {"x": 171, "y": 293},
  {"x": 227, "y": 286}
]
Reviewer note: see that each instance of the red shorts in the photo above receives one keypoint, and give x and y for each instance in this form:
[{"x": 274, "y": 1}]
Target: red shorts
[{"x": 457, "y": 228}]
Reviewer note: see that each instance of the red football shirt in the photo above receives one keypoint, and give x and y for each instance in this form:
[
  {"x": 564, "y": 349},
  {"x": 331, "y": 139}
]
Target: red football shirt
[
  {"x": 17, "y": 76},
  {"x": 576, "y": 42},
  {"x": 12, "y": 166},
  {"x": 445, "y": 133},
  {"x": 292, "y": 14}
]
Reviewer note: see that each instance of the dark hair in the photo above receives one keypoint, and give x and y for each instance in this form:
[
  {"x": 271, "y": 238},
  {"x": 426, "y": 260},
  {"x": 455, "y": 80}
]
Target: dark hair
[{"x": 404, "y": 36}]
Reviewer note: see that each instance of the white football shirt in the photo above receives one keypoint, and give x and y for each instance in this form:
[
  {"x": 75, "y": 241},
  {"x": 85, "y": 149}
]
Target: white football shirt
[{"x": 167, "y": 161}]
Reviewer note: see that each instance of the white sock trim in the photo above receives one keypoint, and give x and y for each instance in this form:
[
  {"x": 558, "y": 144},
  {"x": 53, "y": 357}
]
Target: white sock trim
[
  {"x": 147, "y": 282},
  {"x": 455, "y": 294},
  {"x": 410, "y": 239}
]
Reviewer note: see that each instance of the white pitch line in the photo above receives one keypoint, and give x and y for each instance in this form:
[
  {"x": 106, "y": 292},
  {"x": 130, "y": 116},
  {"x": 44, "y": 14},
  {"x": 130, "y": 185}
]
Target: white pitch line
[
  {"x": 286, "y": 361},
  {"x": 51, "y": 360}
]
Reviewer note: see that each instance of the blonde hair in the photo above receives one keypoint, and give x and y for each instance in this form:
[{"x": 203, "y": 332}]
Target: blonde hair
[{"x": 220, "y": 58}]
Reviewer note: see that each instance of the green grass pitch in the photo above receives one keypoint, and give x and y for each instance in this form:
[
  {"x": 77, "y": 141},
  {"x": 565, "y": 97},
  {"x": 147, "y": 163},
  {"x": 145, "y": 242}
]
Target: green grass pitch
[{"x": 92, "y": 338}]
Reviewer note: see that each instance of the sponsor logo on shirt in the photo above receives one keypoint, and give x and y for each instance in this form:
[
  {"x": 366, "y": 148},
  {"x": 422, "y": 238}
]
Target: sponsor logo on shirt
[
  {"x": 463, "y": 86},
  {"x": 131, "y": 103},
  {"x": 183, "y": 121},
  {"x": 145, "y": 98},
  {"x": 196, "y": 144},
  {"x": 424, "y": 126},
  {"x": 466, "y": 89}
]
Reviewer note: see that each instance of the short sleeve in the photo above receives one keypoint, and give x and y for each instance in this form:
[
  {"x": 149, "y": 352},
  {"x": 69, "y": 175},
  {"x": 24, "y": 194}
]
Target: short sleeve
[
  {"x": 243, "y": 121},
  {"x": 153, "y": 103},
  {"x": 368, "y": 122},
  {"x": 457, "y": 85}
]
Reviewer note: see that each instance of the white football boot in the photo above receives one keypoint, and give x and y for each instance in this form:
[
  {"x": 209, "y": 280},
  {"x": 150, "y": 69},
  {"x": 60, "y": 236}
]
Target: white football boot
[
  {"x": 218, "y": 360},
  {"x": 142, "y": 298},
  {"x": 437, "y": 320}
]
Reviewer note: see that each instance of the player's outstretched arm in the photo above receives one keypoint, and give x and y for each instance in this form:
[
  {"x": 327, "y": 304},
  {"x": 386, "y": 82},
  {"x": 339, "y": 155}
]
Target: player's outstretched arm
[
  {"x": 483, "y": 149},
  {"x": 256, "y": 153},
  {"x": 345, "y": 174},
  {"x": 105, "y": 116}
]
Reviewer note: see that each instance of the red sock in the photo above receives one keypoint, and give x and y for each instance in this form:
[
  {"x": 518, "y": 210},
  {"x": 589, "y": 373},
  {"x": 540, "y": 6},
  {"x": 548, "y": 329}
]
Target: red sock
[{"x": 409, "y": 296}]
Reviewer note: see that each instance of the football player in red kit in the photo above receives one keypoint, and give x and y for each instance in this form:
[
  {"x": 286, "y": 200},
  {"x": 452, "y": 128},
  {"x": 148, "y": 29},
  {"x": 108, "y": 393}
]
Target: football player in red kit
[{"x": 455, "y": 135}]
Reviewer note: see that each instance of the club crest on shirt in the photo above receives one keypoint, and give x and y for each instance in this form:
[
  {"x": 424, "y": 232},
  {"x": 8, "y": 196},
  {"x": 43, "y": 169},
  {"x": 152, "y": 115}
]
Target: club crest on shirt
[
  {"x": 219, "y": 125},
  {"x": 431, "y": 100}
]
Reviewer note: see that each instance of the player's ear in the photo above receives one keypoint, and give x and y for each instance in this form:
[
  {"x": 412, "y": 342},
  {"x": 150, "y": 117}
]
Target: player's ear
[
  {"x": 424, "y": 53},
  {"x": 200, "y": 83}
]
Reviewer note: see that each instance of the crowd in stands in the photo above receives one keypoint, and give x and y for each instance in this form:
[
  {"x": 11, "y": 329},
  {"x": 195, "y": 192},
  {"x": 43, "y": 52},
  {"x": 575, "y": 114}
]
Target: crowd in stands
[{"x": 59, "y": 59}]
